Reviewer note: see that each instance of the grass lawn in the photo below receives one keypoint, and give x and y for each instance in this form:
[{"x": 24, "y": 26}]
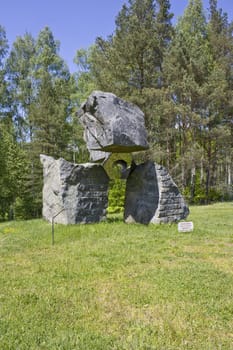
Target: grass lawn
[{"x": 117, "y": 286}]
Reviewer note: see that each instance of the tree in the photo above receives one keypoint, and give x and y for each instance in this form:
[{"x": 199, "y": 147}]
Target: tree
[
  {"x": 84, "y": 85},
  {"x": 22, "y": 88},
  {"x": 187, "y": 66},
  {"x": 40, "y": 88},
  {"x": 3, "y": 83},
  {"x": 164, "y": 30},
  {"x": 131, "y": 59},
  {"x": 51, "y": 108},
  {"x": 197, "y": 88},
  {"x": 51, "y": 111},
  {"x": 220, "y": 100},
  {"x": 13, "y": 164},
  {"x": 129, "y": 63}
]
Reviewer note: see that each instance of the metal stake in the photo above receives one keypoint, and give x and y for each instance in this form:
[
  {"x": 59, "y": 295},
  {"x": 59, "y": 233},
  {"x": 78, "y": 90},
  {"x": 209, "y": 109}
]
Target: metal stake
[{"x": 53, "y": 217}]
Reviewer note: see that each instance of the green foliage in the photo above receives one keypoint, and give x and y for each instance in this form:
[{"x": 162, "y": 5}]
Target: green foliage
[
  {"x": 41, "y": 109},
  {"x": 116, "y": 196},
  {"x": 3, "y": 83},
  {"x": 197, "y": 95},
  {"x": 117, "y": 286},
  {"x": 129, "y": 63},
  {"x": 19, "y": 68},
  {"x": 3, "y": 46},
  {"x": 117, "y": 185},
  {"x": 12, "y": 163},
  {"x": 181, "y": 77},
  {"x": 50, "y": 112},
  {"x": 84, "y": 80},
  {"x": 199, "y": 194}
]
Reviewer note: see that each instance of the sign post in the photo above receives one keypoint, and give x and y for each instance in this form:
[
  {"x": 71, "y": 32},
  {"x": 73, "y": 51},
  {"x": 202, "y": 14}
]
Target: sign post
[{"x": 53, "y": 217}]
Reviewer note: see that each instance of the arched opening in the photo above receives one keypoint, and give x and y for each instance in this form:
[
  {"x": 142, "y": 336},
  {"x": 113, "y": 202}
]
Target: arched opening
[{"x": 117, "y": 167}]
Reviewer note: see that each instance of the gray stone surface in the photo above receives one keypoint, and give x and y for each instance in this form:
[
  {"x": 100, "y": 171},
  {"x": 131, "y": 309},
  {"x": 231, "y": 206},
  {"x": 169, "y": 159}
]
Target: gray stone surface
[
  {"x": 78, "y": 191},
  {"x": 152, "y": 196},
  {"x": 112, "y": 124},
  {"x": 99, "y": 156}
]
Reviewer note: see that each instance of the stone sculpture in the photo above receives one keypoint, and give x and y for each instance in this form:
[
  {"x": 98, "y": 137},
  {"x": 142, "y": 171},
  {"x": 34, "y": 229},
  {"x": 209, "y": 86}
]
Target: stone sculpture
[
  {"x": 78, "y": 191},
  {"x": 112, "y": 125},
  {"x": 152, "y": 196}
]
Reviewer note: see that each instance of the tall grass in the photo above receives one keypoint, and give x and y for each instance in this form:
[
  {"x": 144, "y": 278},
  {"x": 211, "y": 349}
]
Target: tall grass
[{"x": 117, "y": 286}]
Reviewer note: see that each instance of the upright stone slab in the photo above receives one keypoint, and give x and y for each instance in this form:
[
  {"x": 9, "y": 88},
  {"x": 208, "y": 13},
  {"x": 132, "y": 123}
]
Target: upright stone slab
[
  {"x": 152, "y": 196},
  {"x": 112, "y": 125},
  {"x": 78, "y": 191}
]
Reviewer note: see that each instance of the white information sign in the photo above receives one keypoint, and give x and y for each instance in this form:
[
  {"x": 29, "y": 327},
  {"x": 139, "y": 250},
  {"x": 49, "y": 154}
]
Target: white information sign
[{"x": 185, "y": 226}]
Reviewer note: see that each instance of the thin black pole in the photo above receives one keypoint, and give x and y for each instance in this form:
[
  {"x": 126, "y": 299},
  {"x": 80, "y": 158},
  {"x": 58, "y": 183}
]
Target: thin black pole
[
  {"x": 52, "y": 230},
  {"x": 53, "y": 217}
]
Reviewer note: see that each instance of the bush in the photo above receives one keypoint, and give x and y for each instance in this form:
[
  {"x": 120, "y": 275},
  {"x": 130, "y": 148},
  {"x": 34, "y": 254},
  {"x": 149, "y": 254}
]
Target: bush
[{"x": 116, "y": 196}]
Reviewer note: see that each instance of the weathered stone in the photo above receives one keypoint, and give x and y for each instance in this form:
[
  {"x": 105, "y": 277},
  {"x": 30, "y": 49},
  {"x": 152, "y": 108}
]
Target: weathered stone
[
  {"x": 112, "y": 125},
  {"x": 79, "y": 192},
  {"x": 99, "y": 156},
  {"x": 152, "y": 196}
]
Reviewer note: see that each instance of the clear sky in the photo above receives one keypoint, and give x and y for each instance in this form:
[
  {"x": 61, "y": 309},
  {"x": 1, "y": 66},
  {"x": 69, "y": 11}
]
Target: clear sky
[{"x": 75, "y": 23}]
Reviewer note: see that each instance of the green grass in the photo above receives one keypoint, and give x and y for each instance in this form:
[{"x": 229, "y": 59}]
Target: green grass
[{"x": 117, "y": 286}]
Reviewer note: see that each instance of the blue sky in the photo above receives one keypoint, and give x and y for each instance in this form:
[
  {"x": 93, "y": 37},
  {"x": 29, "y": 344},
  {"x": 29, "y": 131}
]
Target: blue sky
[{"x": 75, "y": 23}]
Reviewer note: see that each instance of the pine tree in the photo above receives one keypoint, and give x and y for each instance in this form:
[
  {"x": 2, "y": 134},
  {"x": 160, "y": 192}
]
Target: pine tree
[
  {"x": 187, "y": 67},
  {"x": 128, "y": 58},
  {"x": 21, "y": 84},
  {"x": 51, "y": 111},
  {"x": 3, "y": 83},
  {"x": 40, "y": 88},
  {"x": 13, "y": 164},
  {"x": 197, "y": 94},
  {"x": 220, "y": 99},
  {"x": 129, "y": 63},
  {"x": 84, "y": 85}
]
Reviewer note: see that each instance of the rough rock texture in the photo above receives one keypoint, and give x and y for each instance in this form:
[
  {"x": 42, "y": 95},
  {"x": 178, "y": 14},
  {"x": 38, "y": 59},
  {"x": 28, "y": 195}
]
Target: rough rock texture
[
  {"x": 78, "y": 191},
  {"x": 112, "y": 125},
  {"x": 99, "y": 156},
  {"x": 152, "y": 196}
]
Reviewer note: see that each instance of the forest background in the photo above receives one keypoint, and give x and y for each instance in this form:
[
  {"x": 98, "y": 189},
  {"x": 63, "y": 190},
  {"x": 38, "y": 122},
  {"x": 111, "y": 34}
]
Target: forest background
[{"x": 180, "y": 75}]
